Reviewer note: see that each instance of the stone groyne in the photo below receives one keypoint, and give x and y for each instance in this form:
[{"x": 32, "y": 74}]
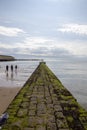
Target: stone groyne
[{"x": 45, "y": 104}]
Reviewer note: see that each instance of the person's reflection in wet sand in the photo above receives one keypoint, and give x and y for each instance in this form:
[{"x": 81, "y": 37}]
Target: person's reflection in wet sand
[
  {"x": 12, "y": 76},
  {"x": 7, "y": 76},
  {"x": 16, "y": 69}
]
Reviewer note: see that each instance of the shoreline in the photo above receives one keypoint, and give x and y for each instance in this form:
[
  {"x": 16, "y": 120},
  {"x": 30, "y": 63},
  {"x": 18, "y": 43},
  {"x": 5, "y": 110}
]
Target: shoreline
[{"x": 7, "y": 94}]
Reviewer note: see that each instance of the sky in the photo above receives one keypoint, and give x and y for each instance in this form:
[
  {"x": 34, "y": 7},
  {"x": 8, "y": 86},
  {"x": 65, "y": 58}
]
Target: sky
[{"x": 43, "y": 28}]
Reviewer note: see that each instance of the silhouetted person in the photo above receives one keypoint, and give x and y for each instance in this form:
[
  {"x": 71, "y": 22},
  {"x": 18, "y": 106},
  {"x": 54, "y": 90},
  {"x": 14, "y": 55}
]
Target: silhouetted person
[
  {"x": 12, "y": 68},
  {"x": 7, "y": 67},
  {"x": 16, "y": 67}
]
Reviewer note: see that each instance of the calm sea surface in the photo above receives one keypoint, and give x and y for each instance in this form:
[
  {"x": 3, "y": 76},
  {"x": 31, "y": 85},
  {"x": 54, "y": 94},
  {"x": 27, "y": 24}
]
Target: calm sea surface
[{"x": 73, "y": 75}]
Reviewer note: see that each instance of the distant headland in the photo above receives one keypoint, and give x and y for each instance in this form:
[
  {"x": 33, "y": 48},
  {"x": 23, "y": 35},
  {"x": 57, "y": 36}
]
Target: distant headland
[
  {"x": 11, "y": 58},
  {"x": 6, "y": 58}
]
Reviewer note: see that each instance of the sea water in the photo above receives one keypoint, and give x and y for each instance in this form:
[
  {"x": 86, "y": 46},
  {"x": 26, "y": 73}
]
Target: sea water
[
  {"x": 18, "y": 77},
  {"x": 72, "y": 74}
]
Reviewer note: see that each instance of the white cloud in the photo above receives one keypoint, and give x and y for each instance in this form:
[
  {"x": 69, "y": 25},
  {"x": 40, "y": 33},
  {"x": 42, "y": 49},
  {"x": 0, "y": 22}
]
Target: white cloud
[
  {"x": 36, "y": 42},
  {"x": 4, "y": 45},
  {"x": 45, "y": 46},
  {"x": 9, "y": 31},
  {"x": 30, "y": 45},
  {"x": 74, "y": 28},
  {"x": 76, "y": 48},
  {"x": 48, "y": 46},
  {"x": 80, "y": 49}
]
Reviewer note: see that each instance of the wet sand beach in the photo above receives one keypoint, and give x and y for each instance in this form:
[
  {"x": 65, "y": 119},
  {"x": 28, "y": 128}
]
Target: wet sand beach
[
  {"x": 11, "y": 82},
  {"x": 7, "y": 94}
]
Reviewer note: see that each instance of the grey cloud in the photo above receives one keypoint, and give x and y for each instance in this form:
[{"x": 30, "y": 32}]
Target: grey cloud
[
  {"x": 48, "y": 52},
  {"x": 37, "y": 51}
]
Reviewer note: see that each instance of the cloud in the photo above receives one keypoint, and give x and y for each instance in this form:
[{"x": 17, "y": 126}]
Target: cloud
[
  {"x": 35, "y": 42},
  {"x": 74, "y": 28},
  {"x": 54, "y": 48},
  {"x": 9, "y": 31},
  {"x": 4, "y": 45},
  {"x": 76, "y": 48},
  {"x": 30, "y": 45},
  {"x": 46, "y": 47}
]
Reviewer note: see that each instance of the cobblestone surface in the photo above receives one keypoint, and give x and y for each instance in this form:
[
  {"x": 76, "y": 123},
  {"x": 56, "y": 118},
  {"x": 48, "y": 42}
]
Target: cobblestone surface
[{"x": 44, "y": 104}]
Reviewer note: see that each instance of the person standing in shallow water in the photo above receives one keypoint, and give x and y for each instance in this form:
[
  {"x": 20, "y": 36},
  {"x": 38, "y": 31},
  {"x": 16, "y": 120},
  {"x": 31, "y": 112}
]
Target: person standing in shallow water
[
  {"x": 11, "y": 72},
  {"x": 15, "y": 66},
  {"x": 12, "y": 68},
  {"x": 7, "y": 67}
]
